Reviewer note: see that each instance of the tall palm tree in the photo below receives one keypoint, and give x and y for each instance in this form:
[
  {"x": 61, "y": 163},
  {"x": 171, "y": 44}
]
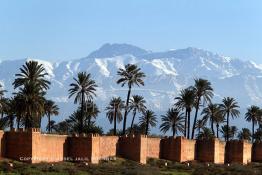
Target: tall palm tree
[
  {"x": 204, "y": 92},
  {"x": 137, "y": 104},
  {"x": 31, "y": 97},
  {"x": 50, "y": 109},
  {"x": 83, "y": 89},
  {"x": 114, "y": 111},
  {"x": 130, "y": 75},
  {"x": 32, "y": 86},
  {"x": 186, "y": 100},
  {"x": 253, "y": 115},
  {"x": 228, "y": 108},
  {"x": 244, "y": 134},
  {"x": 32, "y": 72},
  {"x": 211, "y": 113},
  {"x": 148, "y": 119},
  {"x": 173, "y": 120}
]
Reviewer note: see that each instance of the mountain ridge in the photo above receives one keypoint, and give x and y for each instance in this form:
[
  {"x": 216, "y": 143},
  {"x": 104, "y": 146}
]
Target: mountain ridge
[{"x": 167, "y": 73}]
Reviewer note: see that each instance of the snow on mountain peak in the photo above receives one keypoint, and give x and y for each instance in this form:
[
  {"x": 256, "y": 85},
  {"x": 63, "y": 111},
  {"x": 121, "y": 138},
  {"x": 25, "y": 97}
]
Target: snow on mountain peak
[{"x": 166, "y": 74}]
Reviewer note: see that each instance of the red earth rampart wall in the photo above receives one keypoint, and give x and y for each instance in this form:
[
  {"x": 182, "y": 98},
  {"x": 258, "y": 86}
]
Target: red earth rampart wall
[
  {"x": 178, "y": 149},
  {"x": 238, "y": 152},
  {"x": 212, "y": 150}
]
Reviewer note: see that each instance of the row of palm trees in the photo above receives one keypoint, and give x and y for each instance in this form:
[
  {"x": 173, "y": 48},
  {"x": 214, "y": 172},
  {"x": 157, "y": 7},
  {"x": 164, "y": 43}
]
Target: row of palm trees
[{"x": 28, "y": 105}]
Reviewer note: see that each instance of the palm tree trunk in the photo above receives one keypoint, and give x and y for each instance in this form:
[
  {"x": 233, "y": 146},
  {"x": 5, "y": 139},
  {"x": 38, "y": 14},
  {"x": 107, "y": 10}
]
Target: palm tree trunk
[
  {"x": 174, "y": 131},
  {"x": 11, "y": 122},
  {"x": 195, "y": 119},
  {"x": 217, "y": 130},
  {"x": 126, "y": 109},
  {"x": 18, "y": 122},
  {"x": 115, "y": 120},
  {"x": 212, "y": 125},
  {"x": 253, "y": 130},
  {"x": 82, "y": 113},
  {"x": 49, "y": 124},
  {"x": 132, "y": 123},
  {"x": 185, "y": 126},
  {"x": 147, "y": 123},
  {"x": 188, "y": 128},
  {"x": 227, "y": 127}
]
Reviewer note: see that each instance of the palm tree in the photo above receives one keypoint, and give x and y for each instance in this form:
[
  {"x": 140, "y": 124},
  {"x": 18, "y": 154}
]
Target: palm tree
[
  {"x": 258, "y": 135},
  {"x": 148, "y": 119},
  {"x": 173, "y": 120},
  {"x": 218, "y": 119},
  {"x": 51, "y": 126},
  {"x": 228, "y": 108},
  {"x": 50, "y": 109},
  {"x": 186, "y": 100},
  {"x": 253, "y": 114},
  {"x": 204, "y": 92},
  {"x": 137, "y": 104},
  {"x": 31, "y": 98},
  {"x": 10, "y": 113},
  {"x": 91, "y": 111},
  {"x": 228, "y": 132},
  {"x": 233, "y": 131},
  {"x": 62, "y": 127},
  {"x": 244, "y": 134},
  {"x": 130, "y": 75},
  {"x": 83, "y": 89},
  {"x": 212, "y": 113},
  {"x": 206, "y": 133},
  {"x": 114, "y": 111},
  {"x": 32, "y": 86},
  {"x": 32, "y": 72},
  {"x": 2, "y": 100},
  {"x": 200, "y": 124}
]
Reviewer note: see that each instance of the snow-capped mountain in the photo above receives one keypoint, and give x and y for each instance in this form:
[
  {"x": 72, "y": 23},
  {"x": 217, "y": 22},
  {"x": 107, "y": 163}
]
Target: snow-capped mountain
[{"x": 166, "y": 74}]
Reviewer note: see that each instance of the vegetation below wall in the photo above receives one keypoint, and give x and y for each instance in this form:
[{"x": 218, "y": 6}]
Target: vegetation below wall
[{"x": 121, "y": 166}]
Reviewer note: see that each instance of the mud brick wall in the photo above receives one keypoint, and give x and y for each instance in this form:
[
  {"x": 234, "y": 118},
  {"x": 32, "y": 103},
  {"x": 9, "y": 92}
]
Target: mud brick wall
[
  {"x": 178, "y": 149},
  {"x": 48, "y": 147},
  {"x": 2, "y": 143},
  {"x": 108, "y": 146},
  {"x": 80, "y": 148},
  {"x": 212, "y": 150},
  {"x": 133, "y": 148},
  {"x": 18, "y": 145},
  {"x": 238, "y": 152},
  {"x": 187, "y": 149},
  {"x": 257, "y": 152},
  {"x": 153, "y": 147}
]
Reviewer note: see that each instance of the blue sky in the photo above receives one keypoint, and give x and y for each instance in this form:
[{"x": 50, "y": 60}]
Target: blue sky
[{"x": 67, "y": 29}]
